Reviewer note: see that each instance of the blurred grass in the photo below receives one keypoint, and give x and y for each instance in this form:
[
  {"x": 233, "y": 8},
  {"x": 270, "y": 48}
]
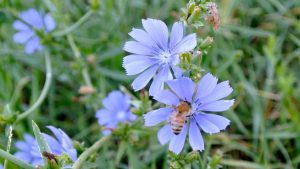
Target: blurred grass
[{"x": 257, "y": 49}]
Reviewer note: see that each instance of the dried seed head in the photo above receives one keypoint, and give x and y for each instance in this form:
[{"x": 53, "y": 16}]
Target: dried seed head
[{"x": 212, "y": 15}]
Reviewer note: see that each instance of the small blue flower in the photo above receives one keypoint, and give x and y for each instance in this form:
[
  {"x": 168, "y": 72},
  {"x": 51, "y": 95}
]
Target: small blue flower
[
  {"x": 116, "y": 109},
  {"x": 61, "y": 143},
  {"x": 153, "y": 53},
  {"x": 1, "y": 166},
  {"x": 29, "y": 151},
  {"x": 26, "y": 34},
  {"x": 206, "y": 96}
]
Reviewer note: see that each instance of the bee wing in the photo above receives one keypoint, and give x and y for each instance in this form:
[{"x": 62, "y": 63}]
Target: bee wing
[{"x": 173, "y": 115}]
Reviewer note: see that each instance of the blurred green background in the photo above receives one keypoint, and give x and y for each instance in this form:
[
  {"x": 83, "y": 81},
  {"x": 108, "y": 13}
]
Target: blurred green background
[{"x": 257, "y": 48}]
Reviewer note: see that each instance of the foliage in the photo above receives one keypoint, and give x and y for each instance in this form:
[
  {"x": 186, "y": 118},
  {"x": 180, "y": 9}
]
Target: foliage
[{"x": 256, "y": 48}]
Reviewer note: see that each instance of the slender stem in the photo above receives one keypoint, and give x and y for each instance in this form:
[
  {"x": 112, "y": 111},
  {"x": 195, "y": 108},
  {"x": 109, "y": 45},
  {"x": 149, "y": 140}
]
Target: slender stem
[
  {"x": 15, "y": 160},
  {"x": 50, "y": 5},
  {"x": 78, "y": 164},
  {"x": 78, "y": 56},
  {"x": 8, "y": 144},
  {"x": 21, "y": 84},
  {"x": 75, "y": 25},
  {"x": 44, "y": 91}
]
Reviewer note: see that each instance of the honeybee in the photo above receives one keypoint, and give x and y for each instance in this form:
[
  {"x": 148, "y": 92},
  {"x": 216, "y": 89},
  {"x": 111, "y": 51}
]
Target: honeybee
[
  {"x": 178, "y": 116},
  {"x": 49, "y": 156}
]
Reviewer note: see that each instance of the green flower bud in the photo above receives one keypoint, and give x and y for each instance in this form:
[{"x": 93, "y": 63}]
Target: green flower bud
[
  {"x": 192, "y": 156},
  {"x": 78, "y": 146},
  {"x": 207, "y": 42},
  {"x": 185, "y": 58},
  {"x": 8, "y": 116},
  {"x": 64, "y": 160},
  {"x": 195, "y": 16},
  {"x": 195, "y": 74},
  {"x": 191, "y": 7},
  {"x": 52, "y": 161},
  {"x": 94, "y": 4},
  {"x": 175, "y": 165},
  {"x": 216, "y": 159}
]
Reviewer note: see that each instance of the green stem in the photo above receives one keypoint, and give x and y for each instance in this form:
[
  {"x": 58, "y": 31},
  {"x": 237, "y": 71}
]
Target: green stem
[
  {"x": 8, "y": 144},
  {"x": 81, "y": 159},
  {"x": 15, "y": 160},
  {"x": 44, "y": 91},
  {"x": 50, "y": 5},
  {"x": 78, "y": 56},
  {"x": 75, "y": 25},
  {"x": 16, "y": 95}
]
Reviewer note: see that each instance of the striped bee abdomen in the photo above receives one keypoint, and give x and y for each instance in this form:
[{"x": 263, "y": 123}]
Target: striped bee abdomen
[{"x": 177, "y": 122}]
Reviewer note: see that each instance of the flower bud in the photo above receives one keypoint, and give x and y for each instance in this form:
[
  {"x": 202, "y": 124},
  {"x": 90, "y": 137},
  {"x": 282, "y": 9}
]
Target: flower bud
[
  {"x": 8, "y": 116},
  {"x": 195, "y": 16},
  {"x": 175, "y": 165},
  {"x": 197, "y": 53},
  {"x": 185, "y": 58},
  {"x": 195, "y": 74},
  {"x": 94, "y": 4},
  {"x": 216, "y": 159},
  {"x": 191, "y": 7},
  {"x": 206, "y": 42},
  {"x": 192, "y": 156},
  {"x": 64, "y": 160},
  {"x": 86, "y": 90},
  {"x": 52, "y": 161}
]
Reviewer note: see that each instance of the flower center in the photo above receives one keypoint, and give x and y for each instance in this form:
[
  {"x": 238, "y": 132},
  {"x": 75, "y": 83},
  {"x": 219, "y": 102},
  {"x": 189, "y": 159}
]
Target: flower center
[
  {"x": 165, "y": 57},
  {"x": 121, "y": 115}
]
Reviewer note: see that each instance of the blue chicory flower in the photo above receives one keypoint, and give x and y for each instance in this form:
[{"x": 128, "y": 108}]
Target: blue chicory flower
[
  {"x": 116, "y": 109},
  {"x": 206, "y": 96},
  {"x": 153, "y": 53},
  {"x": 26, "y": 33},
  {"x": 1, "y": 166},
  {"x": 61, "y": 143}
]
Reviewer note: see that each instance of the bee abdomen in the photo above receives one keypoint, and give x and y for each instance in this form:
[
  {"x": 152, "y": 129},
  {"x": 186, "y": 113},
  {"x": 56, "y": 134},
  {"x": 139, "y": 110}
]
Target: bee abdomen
[
  {"x": 177, "y": 127},
  {"x": 177, "y": 121}
]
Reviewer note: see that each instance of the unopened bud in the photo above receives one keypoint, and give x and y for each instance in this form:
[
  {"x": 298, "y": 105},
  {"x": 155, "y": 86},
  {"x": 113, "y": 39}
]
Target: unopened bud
[
  {"x": 195, "y": 74},
  {"x": 191, "y": 7},
  {"x": 216, "y": 159},
  {"x": 8, "y": 116},
  {"x": 86, "y": 90},
  {"x": 94, "y": 4},
  {"x": 52, "y": 160},
  {"x": 212, "y": 15},
  {"x": 195, "y": 16},
  {"x": 79, "y": 146},
  {"x": 206, "y": 42},
  {"x": 64, "y": 160},
  {"x": 192, "y": 156},
  {"x": 185, "y": 58},
  {"x": 175, "y": 165},
  {"x": 197, "y": 53}
]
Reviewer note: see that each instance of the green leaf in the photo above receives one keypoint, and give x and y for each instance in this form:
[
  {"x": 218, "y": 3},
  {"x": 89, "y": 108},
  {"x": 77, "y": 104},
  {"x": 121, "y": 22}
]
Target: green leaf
[
  {"x": 242, "y": 164},
  {"x": 13, "y": 159},
  {"x": 121, "y": 152},
  {"x": 43, "y": 145}
]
